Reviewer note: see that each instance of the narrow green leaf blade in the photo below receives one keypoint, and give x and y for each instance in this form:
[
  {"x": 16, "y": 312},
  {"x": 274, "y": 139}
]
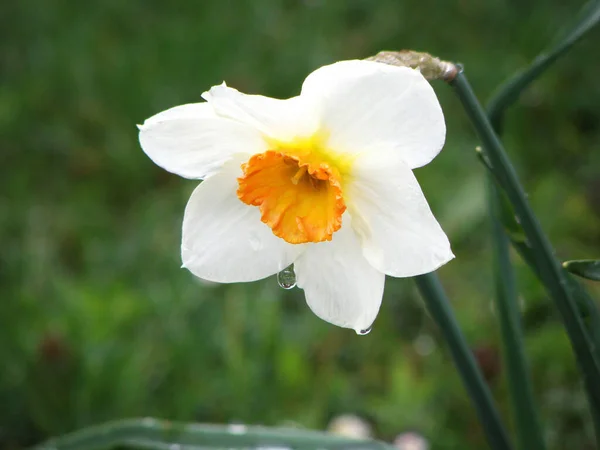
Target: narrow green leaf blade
[
  {"x": 551, "y": 272},
  {"x": 510, "y": 90},
  {"x": 155, "y": 434},
  {"x": 585, "y": 268},
  {"x": 505, "y": 95},
  {"x": 525, "y": 413}
]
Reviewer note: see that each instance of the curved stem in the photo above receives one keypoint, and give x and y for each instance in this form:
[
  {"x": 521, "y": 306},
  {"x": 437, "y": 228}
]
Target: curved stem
[
  {"x": 439, "y": 308},
  {"x": 550, "y": 270}
]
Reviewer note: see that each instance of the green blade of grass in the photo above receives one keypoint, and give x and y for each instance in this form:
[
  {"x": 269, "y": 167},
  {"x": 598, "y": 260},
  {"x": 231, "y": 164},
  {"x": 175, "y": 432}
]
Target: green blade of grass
[
  {"x": 439, "y": 307},
  {"x": 509, "y": 91},
  {"x": 524, "y": 411},
  {"x": 157, "y": 435}
]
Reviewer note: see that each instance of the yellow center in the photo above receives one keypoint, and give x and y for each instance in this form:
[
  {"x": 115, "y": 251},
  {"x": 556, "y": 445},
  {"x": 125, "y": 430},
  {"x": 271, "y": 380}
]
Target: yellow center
[{"x": 298, "y": 192}]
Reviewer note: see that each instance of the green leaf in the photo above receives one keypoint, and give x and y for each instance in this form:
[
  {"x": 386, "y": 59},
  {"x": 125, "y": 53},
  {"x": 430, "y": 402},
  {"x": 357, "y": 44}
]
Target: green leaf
[
  {"x": 439, "y": 307},
  {"x": 510, "y": 90},
  {"x": 551, "y": 272},
  {"x": 526, "y": 417},
  {"x": 585, "y": 268},
  {"x": 155, "y": 434}
]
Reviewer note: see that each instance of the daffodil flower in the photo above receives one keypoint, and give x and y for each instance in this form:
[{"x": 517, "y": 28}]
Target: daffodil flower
[{"x": 323, "y": 181}]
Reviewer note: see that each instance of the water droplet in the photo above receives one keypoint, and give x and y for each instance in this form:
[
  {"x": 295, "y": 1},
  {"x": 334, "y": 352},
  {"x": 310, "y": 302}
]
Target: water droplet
[
  {"x": 365, "y": 331},
  {"x": 287, "y": 278}
]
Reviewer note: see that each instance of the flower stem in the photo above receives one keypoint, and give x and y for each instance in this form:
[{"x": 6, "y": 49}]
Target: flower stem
[
  {"x": 439, "y": 308},
  {"x": 550, "y": 270}
]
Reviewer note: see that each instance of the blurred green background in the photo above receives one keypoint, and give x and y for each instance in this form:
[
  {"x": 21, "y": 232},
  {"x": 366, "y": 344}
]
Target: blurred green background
[{"x": 98, "y": 321}]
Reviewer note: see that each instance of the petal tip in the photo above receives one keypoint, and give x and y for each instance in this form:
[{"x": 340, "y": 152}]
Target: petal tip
[
  {"x": 449, "y": 256},
  {"x": 208, "y": 95}
]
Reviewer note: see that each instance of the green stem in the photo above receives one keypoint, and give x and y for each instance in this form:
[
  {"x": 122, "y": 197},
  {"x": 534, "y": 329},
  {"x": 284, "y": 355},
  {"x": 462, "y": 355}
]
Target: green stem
[
  {"x": 550, "y": 270},
  {"x": 525, "y": 414},
  {"x": 439, "y": 308}
]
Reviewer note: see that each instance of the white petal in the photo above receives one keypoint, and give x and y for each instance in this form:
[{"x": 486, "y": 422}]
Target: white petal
[
  {"x": 278, "y": 119},
  {"x": 366, "y": 106},
  {"x": 224, "y": 239},
  {"x": 341, "y": 287},
  {"x": 398, "y": 233},
  {"x": 192, "y": 141}
]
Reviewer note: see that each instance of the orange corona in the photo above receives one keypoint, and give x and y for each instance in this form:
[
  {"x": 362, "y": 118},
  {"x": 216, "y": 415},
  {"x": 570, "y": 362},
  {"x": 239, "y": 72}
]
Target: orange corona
[{"x": 299, "y": 199}]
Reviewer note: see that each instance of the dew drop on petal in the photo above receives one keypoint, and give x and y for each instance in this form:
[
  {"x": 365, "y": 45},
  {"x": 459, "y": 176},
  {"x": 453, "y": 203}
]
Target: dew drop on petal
[
  {"x": 363, "y": 332},
  {"x": 287, "y": 278}
]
